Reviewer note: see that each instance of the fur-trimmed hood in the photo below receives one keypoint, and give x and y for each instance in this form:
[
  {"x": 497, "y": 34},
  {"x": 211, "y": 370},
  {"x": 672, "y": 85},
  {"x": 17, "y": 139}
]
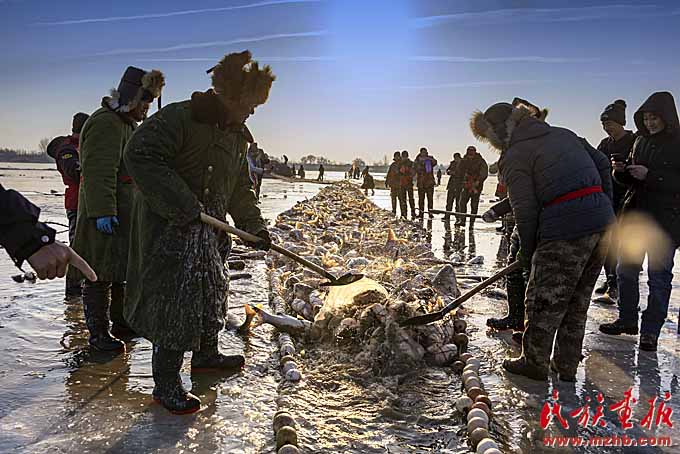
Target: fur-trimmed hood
[{"x": 498, "y": 126}]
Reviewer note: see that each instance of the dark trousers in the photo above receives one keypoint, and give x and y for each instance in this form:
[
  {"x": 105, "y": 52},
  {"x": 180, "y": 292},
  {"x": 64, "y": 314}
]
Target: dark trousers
[
  {"x": 473, "y": 198},
  {"x": 395, "y": 196},
  {"x": 660, "y": 271},
  {"x": 407, "y": 196},
  {"x": 422, "y": 193},
  {"x": 73, "y": 287},
  {"x": 612, "y": 259},
  {"x": 453, "y": 196}
]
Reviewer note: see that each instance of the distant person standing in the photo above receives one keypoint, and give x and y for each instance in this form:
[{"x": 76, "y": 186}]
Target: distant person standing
[
  {"x": 406, "y": 173},
  {"x": 301, "y": 172},
  {"x": 439, "y": 176},
  {"x": 455, "y": 183},
  {"x": 475, "y": 171},
  {"x": 321, "y": 172},
  {"x": 64, "y": 150},
  {"x": 368, "y": 181},
  {"x": 392, "y": 181},
  {"x": 424, "y": 167},
  {"x": 105, "y": 203},
  {"x": 617, "y": 147},
  {"x": 255, "y": 170}
]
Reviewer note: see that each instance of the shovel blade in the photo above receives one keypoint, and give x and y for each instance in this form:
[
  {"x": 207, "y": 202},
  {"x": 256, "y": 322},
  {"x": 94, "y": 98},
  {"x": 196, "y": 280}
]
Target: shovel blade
[
  {"x": 346, "y": 279},
  {"x": 422, "y": 319}
]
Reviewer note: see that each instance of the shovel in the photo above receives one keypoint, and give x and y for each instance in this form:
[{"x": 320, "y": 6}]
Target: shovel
[
  {"x": 434, "y": 316},
  {"x": 346, "y": 279}
]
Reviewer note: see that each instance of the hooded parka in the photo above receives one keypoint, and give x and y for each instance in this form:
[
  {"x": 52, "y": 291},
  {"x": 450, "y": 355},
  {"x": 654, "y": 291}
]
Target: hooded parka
[{"x": 659, "y": 194}]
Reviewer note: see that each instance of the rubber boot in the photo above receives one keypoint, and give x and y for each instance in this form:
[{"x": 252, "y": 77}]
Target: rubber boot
[
  {"x": 119, "y": 326},
  {"x": 209, "y": 357},
  {"x": 514, "y": 320},
  {"x": 169, "y": 391},
  {"x": 96, "y": 300}
]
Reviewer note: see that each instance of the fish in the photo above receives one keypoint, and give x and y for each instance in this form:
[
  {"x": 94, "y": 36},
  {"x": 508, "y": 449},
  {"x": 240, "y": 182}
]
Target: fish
[
  {"x": 284, "y": 323},
  {"x": 250, "y": 315}
]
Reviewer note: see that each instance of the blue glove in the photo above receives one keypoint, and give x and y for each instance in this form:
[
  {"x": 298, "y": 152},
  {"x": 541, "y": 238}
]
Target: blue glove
[{"x": 107, "y": 224}]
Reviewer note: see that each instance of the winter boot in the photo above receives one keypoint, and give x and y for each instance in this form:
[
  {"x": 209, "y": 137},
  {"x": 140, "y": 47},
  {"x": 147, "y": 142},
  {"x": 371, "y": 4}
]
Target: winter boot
[
  {"x": 515, "y": 318},
  {"x": 562, "y": 376},
  {"x": 648, "y": 342},
  {"x": 169, "y": 391},
  {"x": 519, "y": 366},
  {"x": 73, "y": 289},
  {"x": 602, "y": 289},
  {"x": 119, "y": 326},
  {"x": 209, "y": 357},
  {"x": 619, "y": 327},
  {"x": 517, "y": 337},
  {"x": 613, "y": 293},
  {"x": 96, "y": 298}
]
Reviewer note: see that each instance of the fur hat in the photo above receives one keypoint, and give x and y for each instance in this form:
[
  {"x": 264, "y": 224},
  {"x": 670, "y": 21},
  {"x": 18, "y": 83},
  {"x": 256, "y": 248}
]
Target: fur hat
[
  {"x": 136, "y": 85},
  {"x": 79, "y": 120},
  {"x": 496, "y": 125},
  {"x": 237, "y": 77},
  {"x": 536, "y": 112},
  {"x": 615, "y": 112}
]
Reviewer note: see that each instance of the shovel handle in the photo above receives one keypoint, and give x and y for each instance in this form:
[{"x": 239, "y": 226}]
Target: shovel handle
[
  {"x": 463, "y": 215},
  {"x": 216, "y": 223},
  {"x": 481, "y": 286}
]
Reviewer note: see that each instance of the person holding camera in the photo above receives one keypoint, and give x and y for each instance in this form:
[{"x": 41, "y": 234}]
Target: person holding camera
[
  {"x": 652, "y": 174},
  {"x": 616, "y": 146}
]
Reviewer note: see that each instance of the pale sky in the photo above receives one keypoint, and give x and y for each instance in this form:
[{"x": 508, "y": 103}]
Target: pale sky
[{"x": 355, "y": 78}]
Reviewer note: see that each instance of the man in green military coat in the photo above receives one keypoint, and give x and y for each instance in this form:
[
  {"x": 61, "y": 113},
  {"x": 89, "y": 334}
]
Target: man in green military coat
[
  {"x": 189, "y": 158},
  {"x": 105, "y": 201}
]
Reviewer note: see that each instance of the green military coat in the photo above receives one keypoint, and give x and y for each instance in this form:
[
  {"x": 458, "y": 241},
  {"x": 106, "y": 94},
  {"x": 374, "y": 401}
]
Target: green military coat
[
  {"x": 183, "y": 162},
  {"x": 105, "y": 190}
]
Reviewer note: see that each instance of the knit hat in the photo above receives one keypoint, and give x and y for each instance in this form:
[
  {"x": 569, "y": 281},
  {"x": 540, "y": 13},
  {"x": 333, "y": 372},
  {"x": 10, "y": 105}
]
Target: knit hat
[
  {"x": 79, "y": 120},
  {"x": 136, "y": 86},
  {"x": 615, "y": 112},
  {"x": 237, "y": 77}
]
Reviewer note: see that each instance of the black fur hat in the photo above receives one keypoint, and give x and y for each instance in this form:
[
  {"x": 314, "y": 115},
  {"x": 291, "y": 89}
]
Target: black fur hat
[{"x": 136, "y": 85}]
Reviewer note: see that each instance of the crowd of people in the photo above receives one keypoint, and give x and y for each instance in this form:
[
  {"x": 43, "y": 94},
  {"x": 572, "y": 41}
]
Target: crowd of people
[{"x": 147, "y": 266}]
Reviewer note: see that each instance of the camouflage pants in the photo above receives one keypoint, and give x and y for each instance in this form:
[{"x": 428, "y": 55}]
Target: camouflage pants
[{"x": 563, "y": 274}]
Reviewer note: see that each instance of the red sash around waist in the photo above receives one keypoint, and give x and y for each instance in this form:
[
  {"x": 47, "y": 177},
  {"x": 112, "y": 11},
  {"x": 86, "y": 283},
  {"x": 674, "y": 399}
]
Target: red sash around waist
[{"x": 574, "y": 195}]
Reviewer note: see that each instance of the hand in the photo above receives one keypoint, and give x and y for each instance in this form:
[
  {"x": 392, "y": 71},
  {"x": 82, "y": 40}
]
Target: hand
[
  {"x": 107, "y": 224},
  {"x": 618, "y": 166},
  {"x": 489, "y": 216},
  {"x": 52, "y": 260},
  {"x": 523, "y": 259},
  {"x": 638, "y": 172},
  {"x": 265, "y": 241}
]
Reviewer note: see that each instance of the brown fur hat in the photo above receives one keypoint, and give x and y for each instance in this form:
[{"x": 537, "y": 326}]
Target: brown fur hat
[
  {"x": 496, "y": 125},
  {"x": 238, "y": 77}
]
